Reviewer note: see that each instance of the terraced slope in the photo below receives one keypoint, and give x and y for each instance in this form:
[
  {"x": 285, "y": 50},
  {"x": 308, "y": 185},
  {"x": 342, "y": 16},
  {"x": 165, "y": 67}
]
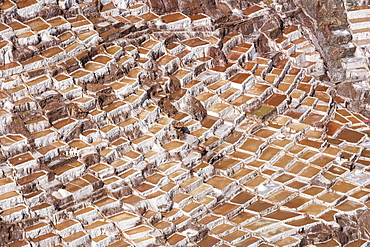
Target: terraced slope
[{"x": 121, "y": 127}]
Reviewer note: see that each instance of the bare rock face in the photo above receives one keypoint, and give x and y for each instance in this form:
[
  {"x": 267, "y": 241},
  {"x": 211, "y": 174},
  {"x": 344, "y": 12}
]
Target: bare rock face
[
  {"x": 218, "y": 56},
  {"x": 212, "y": 8},
  {"x": 50, "y": 11},
  {"x": 16, "y": 126},
  {"x": 322, "y": 18},
  {"x": 349, "y": 228},
  {"x": 318, "y": 234},
  {"x": 173, "y": 85},
  {"x": 194, "y": 108},
  {"x": 9, "y": 233},
  {"x": 166, "y": 107},
  {"x": 358, "y": 94},
  {"x": 163, "y": 6}
]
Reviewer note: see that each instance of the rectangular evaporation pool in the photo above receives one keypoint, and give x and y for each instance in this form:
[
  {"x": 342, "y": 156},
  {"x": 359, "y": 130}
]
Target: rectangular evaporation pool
[{"x": 263, "y": 110}]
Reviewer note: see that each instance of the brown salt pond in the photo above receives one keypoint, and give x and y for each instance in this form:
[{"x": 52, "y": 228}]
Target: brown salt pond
[
  {"x": 279, "y": 196},
  {"x": 313, "y": 119},
  {"x": 350, "y": 135},
  {"x": 296, "y": 202},
  {"x": 275, "y": 100},
  {"x": 314, "y": 209}
]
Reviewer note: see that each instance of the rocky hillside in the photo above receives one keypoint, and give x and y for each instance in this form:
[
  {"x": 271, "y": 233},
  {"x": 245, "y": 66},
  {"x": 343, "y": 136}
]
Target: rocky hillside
[{"x": 184, "y": 123}]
